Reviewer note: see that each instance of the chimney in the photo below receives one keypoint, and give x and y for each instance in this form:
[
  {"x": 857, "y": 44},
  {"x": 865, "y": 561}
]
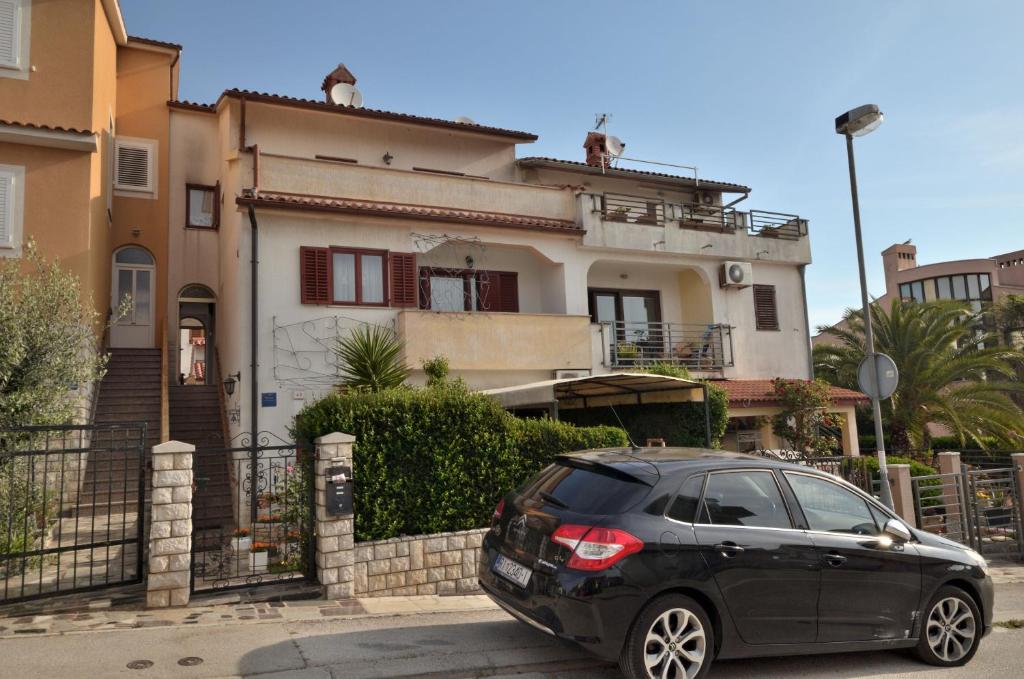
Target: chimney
[
  {"x": 897, "y": 258},
  {"x": 338, "y": 75},
  {"x": 597, "y": 151}
]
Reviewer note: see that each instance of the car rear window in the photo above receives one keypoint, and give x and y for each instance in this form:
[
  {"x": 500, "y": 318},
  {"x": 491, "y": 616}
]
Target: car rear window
[{"x": 585, "y": 490}]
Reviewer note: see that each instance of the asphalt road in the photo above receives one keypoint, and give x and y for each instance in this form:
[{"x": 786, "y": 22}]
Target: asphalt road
[{"x": 438, "y": 646}]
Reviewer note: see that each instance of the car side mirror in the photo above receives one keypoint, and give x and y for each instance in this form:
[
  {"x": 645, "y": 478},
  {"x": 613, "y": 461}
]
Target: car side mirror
[{"x": 896, "y": 530}]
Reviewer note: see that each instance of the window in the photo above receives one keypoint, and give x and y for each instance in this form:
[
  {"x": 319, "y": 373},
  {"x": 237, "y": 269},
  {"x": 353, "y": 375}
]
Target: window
[
  {"x": 135, "y": 165},
  {"x": 358, "y": 277},
  {"x": 684, "y": 507},
  {"x": 766, "y": 314},
  {"x": 12, "y": 199},
  {"x": 202, "y": 206},
  {"x": 974, "y": 288},
  {"x": 15, "y": 30},
  {"x": 469, "y": 290},
  {"x": 749, "y": 498},
  {"x": 593, "y": 490},
  {"x": 831, "y": 508}
]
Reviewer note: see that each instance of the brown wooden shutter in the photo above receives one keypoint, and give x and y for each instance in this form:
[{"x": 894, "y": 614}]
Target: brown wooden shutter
[
  {"x": 508, "y": 291},
  {"x": 403, "y": 279},
  {"x": 766, "y": 314},
  {"x": 315, "y": 275}
]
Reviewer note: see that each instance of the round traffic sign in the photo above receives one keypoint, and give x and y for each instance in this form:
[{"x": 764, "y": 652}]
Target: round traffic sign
[{"x": 888, "y": 377}]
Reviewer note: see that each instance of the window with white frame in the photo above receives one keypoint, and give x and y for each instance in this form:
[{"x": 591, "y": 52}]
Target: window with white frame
[
  {"x": 15, "y": 28},
  {"x": 12, "y": 201},
  {"x": 135, "y": 165}
]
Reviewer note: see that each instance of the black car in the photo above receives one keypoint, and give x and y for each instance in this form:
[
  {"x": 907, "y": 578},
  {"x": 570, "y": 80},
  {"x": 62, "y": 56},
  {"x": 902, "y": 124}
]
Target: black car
[{"x": 664, "y": 559}]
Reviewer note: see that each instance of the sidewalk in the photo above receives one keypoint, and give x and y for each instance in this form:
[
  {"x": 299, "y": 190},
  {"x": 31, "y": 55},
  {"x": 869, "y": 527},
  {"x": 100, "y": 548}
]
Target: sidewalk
[{"x": 124, "y": 608}]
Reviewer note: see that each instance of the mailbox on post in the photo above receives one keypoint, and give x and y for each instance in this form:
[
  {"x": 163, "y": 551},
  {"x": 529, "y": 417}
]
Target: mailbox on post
[{"x": 339, "y": 491}]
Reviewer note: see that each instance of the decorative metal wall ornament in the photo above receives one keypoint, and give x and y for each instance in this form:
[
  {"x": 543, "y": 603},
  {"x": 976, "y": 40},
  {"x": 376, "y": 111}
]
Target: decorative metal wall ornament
[
  {"x": 304, "y": 351},
  {"x": 457, "y": 280}
]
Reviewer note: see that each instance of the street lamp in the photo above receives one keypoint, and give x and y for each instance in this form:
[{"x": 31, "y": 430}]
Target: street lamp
[{"x": 857, "y": 123}]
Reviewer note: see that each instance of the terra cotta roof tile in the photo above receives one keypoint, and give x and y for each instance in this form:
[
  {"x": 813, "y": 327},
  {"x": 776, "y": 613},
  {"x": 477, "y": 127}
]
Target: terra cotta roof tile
[{"x": 762, "y": 392}]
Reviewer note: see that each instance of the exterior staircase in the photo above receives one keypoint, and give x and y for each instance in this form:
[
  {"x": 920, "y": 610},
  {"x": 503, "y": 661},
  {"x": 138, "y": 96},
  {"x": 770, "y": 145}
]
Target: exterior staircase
[
  {"x": 128, "y": 394},
  {"x": 195, "y": 417}
]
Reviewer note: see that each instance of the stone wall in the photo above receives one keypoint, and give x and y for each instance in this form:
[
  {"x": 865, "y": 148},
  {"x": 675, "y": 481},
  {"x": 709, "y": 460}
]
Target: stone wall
[{"x": 444, "y": 563}]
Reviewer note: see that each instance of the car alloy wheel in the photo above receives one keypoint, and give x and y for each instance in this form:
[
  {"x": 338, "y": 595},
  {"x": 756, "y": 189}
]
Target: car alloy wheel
[
  {"x": 675, "y": 645},
  {"x": 951, "y": 629}
]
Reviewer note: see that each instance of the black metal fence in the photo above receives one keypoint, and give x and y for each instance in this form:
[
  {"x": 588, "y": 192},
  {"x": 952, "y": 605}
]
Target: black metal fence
[
  {"x": 858, "y": 471},
  {"x": 268, "y": 535},
  {"x": 72, "y": 505}
]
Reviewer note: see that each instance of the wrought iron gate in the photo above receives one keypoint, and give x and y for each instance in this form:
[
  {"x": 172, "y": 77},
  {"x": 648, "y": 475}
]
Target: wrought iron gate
[
  {"x": 979, "y": 508},
  {"x": 72, "y": 505},
  {"x": 269, "y": 535}
]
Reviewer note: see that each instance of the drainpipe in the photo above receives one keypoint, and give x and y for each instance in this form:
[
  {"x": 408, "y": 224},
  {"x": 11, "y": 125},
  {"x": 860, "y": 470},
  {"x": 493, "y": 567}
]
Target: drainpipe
[
  {"x": 254, "y": 348},
  {"x": 807, "y": 321}
]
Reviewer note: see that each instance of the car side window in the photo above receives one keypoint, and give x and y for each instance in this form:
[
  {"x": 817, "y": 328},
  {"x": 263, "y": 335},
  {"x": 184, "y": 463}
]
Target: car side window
[
  {"x": 832, "y": 508},
  {"x": 684, "y": 506},
  {"x": 745, "y": 498}
]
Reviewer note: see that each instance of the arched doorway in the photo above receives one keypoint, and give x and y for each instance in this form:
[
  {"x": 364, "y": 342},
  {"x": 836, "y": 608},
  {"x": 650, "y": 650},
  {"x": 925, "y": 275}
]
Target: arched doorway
[
  {"x": 133, "y": 274},
  {"x": 196, "y": 305}
]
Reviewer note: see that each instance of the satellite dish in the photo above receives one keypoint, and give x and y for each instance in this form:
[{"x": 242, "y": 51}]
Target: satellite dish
[
  {"x": 465, "y": 120},
  {"x": 615, "y": 146},
  {"x": 346, "y": 95}
]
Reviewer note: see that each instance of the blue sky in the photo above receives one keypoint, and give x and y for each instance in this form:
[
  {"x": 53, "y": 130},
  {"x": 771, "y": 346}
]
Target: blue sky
[{"x": 745, "y": 90}]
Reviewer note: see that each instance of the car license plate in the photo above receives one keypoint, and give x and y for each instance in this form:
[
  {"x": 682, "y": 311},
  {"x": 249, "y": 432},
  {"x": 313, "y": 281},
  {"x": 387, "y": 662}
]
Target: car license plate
[{"x": 509, "y": 569}]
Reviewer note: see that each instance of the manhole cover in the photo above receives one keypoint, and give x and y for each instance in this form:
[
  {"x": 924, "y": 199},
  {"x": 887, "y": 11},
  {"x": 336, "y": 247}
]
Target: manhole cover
[
  {"x": 189, "y": 661},
  {"x": 140, "y": 664}
]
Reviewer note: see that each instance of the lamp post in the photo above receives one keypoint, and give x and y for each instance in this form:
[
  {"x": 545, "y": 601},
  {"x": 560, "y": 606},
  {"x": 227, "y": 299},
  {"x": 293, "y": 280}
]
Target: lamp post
[{"x": 856, "y": 123}]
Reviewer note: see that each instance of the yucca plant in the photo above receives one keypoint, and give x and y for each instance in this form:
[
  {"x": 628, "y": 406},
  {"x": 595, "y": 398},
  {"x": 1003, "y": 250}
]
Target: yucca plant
[
  {"x": 370, "y": 358},
  {"x": 953, "y": 372}
]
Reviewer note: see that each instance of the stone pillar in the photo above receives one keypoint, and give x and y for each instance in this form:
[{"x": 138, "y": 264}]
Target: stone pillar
[
  {"x": 335, "y": 539},
  {"x": 170, "y": 534},
  {"x": 902, "y": 492},
  {"x": 949, "y": 463},
  {"x": 850, "y": 442},
  {"x": 1017, "y": 461}
]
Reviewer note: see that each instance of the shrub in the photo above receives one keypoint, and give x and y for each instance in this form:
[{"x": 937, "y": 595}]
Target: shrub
[
  {"x": 437, "y": 370},
  {"x": 370, "y": 357},
  {"x": 930, "y": 497},
  {"x": 680, "y": 424},
  {"x": 437, "y": 459}
]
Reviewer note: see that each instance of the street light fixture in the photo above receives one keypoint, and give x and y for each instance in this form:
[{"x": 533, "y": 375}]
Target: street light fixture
[{"x": 856, "y": 123}]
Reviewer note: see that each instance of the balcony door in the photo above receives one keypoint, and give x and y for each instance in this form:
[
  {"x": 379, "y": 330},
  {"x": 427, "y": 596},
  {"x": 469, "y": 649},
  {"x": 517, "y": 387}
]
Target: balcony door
[{"x": 635, "y": 314}]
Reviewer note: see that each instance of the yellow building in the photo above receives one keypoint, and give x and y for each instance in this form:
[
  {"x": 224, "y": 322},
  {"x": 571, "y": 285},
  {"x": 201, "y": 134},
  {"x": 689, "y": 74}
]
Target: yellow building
[{"x": 83, "y": 151}]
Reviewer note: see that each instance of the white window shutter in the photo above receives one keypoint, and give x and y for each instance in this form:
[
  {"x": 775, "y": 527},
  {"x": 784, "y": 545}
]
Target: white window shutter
[
  {"x": 133, "y": 166},
  {"x": 10, "y": 29},
  {"x": 6, "y": 209}
]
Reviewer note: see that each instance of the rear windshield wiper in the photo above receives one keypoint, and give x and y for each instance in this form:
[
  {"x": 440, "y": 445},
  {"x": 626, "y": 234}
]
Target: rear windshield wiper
[{"x": 551, "y": 499}]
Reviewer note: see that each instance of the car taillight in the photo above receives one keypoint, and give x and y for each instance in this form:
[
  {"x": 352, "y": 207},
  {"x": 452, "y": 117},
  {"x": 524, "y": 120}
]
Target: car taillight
[
  {"x": 496, "y": 516},
  {"x": 593, "y": 548}
]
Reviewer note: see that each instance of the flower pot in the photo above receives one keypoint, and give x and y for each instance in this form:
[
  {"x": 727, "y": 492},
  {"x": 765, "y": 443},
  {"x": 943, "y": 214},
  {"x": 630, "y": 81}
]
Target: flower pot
[
  {"x": 258, "y": 561},
  {"x": 999, "y": 517},
  {"x": 241, "y": 545}
]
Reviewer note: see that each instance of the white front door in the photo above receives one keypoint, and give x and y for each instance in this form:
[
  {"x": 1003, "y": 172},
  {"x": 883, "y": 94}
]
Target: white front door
[{"x": 132, "y": 288}]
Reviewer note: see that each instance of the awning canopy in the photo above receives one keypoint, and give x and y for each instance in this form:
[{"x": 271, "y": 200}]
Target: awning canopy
[{"x": 599, "y": 390}]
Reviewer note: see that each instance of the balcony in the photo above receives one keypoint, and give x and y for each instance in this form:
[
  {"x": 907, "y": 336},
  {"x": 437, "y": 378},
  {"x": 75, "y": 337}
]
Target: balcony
[
  {"x": 497, "y": 341},
  {"x": 697, "y": 347}
]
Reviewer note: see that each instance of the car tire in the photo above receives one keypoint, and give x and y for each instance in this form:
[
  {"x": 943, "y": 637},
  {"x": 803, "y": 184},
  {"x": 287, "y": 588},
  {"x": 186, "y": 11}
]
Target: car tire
[
  {"x": 951, "y": 629},
  {"x": 670, "y": 629}
]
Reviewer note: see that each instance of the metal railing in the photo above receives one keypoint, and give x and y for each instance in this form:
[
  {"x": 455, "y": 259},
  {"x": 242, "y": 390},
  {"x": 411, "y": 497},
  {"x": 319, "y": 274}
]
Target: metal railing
[
  {"x": 776, "y": 225},
  {"x": 707, "y": 217},
  {"x": 693, "y": 345},
  {"x": 633, "y": 209}
]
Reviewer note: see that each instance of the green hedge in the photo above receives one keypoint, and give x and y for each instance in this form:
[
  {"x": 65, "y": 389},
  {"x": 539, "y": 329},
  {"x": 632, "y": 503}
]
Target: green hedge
[
  {"x": 438, "y": 459},
  {"x": 930, "y": 490},
  {"x": 680, "y": 424}
]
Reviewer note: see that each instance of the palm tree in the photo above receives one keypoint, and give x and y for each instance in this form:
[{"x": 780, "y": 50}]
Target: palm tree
[
  {"x": 953, "y": 371},
  {"x": 370, "y": 357}
]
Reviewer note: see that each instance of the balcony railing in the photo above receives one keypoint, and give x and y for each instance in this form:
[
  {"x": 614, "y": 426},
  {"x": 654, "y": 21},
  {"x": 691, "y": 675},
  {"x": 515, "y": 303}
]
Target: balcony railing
[
  {"x": 616, "y": 207},
  {"x": 776, "y": 225},
  {"x": 633, "y": 209},
  {"x": 695, "y": 346}
]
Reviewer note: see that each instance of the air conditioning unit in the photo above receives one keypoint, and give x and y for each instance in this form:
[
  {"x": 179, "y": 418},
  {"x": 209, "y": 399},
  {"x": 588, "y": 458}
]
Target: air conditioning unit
[
  {"x": 736, "y": 275},
  {"x": 571, "y": 374}
]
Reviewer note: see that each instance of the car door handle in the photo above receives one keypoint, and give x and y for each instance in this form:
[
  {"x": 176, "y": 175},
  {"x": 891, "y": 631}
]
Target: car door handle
[
  {"x": 835, "y": 559},
  {"x": 728, "y": 549}
]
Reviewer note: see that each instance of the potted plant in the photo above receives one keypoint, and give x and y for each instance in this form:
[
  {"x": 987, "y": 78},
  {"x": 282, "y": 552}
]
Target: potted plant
[
  {"x": 627, "y": 352},
  {"x": 259, "y": 556},
  {"x": 999, "y": 512},
  {"x": 242, "y": 541},
  {"x": 619, "y": 214}
]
